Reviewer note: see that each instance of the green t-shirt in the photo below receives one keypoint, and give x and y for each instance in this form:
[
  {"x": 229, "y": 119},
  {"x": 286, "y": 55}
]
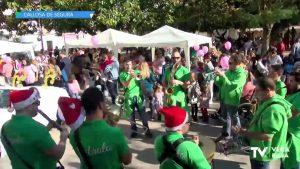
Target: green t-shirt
[
  {"x": 271, "y": 119},
  {"x": 281, "y": 89},
  {"x": 189, "y": 153},
  {"x": 30, "y": 139},
  {"x": 182, "y": 74},
  {"x": 294, "y": 131},
  {"x": 231, "y": 86},
  {"x": 104, "y": 145},
  {"x": 134, "y": 87}
]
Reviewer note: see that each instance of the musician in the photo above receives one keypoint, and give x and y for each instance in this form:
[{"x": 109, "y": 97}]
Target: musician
[
  {"x": 104, "y": 146},
  {"x": 27, "y": 142},
  {"x": 276, "y": 71},
  {"x": 293, "y": 139},
  {"x": 188, "y": 153},
  {"x": 176, "y": 78},
  {"x": 268, "y": 129},
  {"x": 231, "y": 85},
  {"x": 134, "y": 97}
]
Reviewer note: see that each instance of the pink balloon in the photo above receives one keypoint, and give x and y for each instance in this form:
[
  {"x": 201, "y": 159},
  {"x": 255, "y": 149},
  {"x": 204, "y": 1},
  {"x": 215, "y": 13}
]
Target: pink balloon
[
  {"x": 200, "y": 53},
  {"x": 95, "y": 40},
  {"x": 227, "y": 45},
  {"x": 224, "y": 62},
  {"x": 205, "y": 49},
  {"x": 196, "y": 47}
]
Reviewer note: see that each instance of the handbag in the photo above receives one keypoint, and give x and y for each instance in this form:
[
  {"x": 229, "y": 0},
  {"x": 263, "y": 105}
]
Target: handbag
[{"x": 27, "y": 164}]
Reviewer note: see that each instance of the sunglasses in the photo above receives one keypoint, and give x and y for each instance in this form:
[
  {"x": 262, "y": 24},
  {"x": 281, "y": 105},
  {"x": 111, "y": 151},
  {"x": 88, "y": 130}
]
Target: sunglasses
[
  {"x": 36, "y": 103},
  {"x": 176, "y": 58}
]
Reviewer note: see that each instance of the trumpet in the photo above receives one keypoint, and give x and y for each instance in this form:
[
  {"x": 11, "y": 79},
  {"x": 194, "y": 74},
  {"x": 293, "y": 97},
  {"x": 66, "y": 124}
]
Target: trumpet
[{"x": 56, "y": 125}]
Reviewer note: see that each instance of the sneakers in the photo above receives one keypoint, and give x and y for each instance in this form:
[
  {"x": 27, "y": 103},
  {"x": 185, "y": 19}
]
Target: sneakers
[
  {"x": 148, "y": 134},
  {"x": 133, "y": 135}
]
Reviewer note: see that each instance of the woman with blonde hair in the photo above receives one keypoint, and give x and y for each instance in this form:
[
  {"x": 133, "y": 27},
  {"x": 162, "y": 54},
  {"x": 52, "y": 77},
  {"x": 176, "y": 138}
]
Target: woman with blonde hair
[{"x": 148, "y": 81}]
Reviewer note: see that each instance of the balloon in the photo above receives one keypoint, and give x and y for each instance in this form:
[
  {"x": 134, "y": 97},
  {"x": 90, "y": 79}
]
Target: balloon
[
  {"x": 95, "y": 41},
  {"x": 205, "y": 49},
  {"x": 224, "y": 62},
  {"x": 227, "y": 45},
  {"x": 200, "y": 53},
  {"x": 196, "y": 47}
]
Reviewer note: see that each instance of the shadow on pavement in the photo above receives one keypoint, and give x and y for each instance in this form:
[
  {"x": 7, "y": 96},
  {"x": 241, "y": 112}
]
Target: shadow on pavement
[
  {"x": 227, "y": 164},
  {"x": 206, "y": 129},
  {"x": 146, "y": 155}
]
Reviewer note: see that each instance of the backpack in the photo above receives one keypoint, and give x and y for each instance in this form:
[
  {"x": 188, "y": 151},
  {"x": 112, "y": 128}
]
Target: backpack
[{"x": 170, "y": 154}]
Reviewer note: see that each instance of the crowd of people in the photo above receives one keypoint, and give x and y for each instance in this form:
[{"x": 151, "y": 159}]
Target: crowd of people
[{"x": 172, "y": 92}]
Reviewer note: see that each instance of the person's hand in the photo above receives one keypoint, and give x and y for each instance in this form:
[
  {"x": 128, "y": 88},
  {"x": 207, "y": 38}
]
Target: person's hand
[
  {"x": 219, "y": 72},
  {"x": 236, "y": 130},
  {"x": 64, "y": 132},
  {"x": 176, "y": 82},
  {"x": 132, "y": 74},
  {"x": 196, "y": 139}
]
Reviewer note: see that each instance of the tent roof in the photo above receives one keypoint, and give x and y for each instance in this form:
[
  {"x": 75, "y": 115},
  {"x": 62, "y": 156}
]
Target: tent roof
[
  {"x": 167, "y": 36},
  {"x": 109, "y": 38},
  {"x": 11, "y": 47}
]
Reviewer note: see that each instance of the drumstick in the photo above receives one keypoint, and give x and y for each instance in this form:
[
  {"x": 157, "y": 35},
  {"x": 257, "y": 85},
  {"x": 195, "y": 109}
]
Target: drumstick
[{"x": 50, "y": 120}]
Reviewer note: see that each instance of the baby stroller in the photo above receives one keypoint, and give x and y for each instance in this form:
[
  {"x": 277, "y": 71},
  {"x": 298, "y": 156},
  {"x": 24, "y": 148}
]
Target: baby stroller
[{"x": 246, "y": 110}]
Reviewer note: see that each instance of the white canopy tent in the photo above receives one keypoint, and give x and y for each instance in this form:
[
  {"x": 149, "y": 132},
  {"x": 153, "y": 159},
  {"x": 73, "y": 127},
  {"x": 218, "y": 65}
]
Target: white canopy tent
[
  {"x": 110, "y": 38},
  {"x": 11, "y": 47},
  {"x": 167, "y": 36}
]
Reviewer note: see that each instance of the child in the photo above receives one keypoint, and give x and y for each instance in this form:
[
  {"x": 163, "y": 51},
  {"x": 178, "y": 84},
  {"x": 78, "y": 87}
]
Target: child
[
  {"x": 193, "y": 95},
  {"x": 158, "y": 99},
  {"x": 73, "y": 87},
  {"x": 204, "y": 102}
]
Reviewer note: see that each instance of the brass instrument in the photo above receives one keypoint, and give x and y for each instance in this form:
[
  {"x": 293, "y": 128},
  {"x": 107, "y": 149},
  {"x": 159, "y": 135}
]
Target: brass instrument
[
  {"x": 51, "y": 122},
  {"x": 115, "y": 112},
  {"x": 169, "y": 90}
]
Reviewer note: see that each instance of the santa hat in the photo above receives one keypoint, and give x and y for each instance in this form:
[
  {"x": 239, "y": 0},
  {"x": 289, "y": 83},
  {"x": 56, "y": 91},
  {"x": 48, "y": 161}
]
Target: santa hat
[
  {"x": 175, "y": 117},
  {"x": 21, "y": 99},
  {"x": 71, "y": 110}
]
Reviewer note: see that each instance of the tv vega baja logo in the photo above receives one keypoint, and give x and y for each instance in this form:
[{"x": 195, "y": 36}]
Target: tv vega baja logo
[{"x": 275, "y": 152}]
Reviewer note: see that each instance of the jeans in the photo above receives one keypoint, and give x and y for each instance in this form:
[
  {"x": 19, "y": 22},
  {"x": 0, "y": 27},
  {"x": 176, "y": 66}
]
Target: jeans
[
  {"x": 112, "y": 87},
  {"x": 143, "y": 116},
  {"x": 194, "y": 110},
  {"x": 230, "y": 113},
  {"x": 260, "y": 164}
]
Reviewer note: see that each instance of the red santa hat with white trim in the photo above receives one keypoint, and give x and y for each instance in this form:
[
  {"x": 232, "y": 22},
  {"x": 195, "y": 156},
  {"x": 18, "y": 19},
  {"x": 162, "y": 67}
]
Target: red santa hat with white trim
[
  {"x": 175, "y": 117},
  {"x": 72, "y": 111},
  {"x": 20, "y": 99}
]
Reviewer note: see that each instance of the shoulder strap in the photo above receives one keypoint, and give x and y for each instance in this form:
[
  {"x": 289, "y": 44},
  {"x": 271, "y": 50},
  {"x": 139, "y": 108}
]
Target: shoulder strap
[
  {"x": 8, "y": 143},
  {"x": 170, "y": 151},
  {"x": 81, "y": 150},
  {"x": 256, "y": 119}
]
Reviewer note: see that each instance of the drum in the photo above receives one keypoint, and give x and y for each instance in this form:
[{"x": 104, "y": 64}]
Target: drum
[{"x": 208, "y": 148}]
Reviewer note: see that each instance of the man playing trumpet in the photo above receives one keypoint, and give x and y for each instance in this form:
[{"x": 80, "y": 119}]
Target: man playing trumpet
[
  {"x": 175, "y": 79},
  {"x": 131, "y": 80}
]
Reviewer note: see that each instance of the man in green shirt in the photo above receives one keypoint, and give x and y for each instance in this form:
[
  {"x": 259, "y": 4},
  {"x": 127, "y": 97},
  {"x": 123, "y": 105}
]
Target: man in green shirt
[
  {"x": 186, "y": 154},
  {"x": 175, "y": 79},
  {"x": 134, "y": 100},
  {"x": 105, "y": 146},
  {"x": 267, "y": 131},
  {"x": 231, "y": 85},
  {"x": 293, "y": 139},
  {"x": 27, "y": 142},
  {"x": 276, "y": 72}
]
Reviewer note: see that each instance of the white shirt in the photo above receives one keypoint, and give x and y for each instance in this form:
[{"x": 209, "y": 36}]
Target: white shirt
[{"x": 276, "y": 60}]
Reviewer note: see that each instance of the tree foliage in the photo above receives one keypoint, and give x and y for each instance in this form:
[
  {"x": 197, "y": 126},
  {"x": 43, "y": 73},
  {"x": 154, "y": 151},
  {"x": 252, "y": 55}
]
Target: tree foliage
[{"x": 142, "y": 16}]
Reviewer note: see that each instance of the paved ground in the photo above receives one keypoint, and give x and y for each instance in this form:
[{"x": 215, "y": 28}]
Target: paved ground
[{"x": 142, "y": 148}]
